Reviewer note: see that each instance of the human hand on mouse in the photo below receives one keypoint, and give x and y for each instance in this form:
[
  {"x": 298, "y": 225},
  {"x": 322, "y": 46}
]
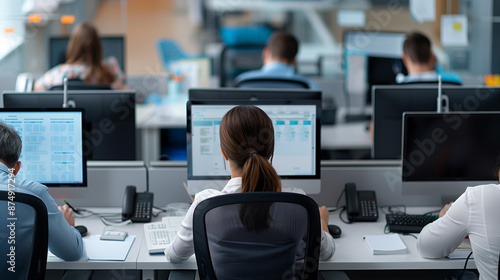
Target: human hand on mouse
[
  {"x": 324, "y": 216},
  {"x": 69, "y": 216}
]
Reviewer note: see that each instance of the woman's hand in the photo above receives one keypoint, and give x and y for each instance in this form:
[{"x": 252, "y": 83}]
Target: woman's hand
[
  {"x": 324, "y": 216},
  {"x": 445, "y": 209}
]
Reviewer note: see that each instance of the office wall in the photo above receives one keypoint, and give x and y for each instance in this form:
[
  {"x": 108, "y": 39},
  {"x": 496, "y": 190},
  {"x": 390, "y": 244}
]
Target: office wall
[
  {"x": 166, "y": 182},
  {"x": 106, "y": 184},
  {"x": 146, "y": 22}
]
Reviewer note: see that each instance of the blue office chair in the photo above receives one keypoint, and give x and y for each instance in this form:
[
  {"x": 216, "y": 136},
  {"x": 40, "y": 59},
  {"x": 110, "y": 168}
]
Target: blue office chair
[
  {"x": 258, "y": 235},
  {"x": 272, "y": 82},
  {"x": 169, "y": 51},
  {"x": 31, "y": 246}
]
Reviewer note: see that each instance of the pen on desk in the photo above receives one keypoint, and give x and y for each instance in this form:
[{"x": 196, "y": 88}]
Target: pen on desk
[{"x": 74, "y": 210}]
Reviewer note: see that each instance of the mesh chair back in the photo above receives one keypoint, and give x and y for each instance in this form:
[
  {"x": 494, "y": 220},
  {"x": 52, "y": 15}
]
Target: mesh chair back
[
  {"x": 257, "y": 236},
  {"x": 77, "y": 84},
  {"x": 423, "y": 83},
  {"x": 237, "y": 59},
  {"x": 272, "y": 83},
  {"x": 29, "y": 215}
]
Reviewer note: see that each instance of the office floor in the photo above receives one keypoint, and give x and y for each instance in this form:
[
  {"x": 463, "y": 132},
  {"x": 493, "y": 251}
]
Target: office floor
[
  {"x": 409, "y": 275},
  {"x": 353, "y": 275}
]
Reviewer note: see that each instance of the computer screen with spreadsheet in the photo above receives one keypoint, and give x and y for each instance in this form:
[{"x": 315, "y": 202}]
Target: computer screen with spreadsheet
[
  {"x": 52, "y": 145},
  {"x": 296, "y": 135}
]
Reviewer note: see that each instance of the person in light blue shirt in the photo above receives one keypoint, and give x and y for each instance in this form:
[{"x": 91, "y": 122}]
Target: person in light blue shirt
[
  {"x": 279, "y": 59},
  {"x": 421, "y": 62},
  {"x": 64, "y": 240}
]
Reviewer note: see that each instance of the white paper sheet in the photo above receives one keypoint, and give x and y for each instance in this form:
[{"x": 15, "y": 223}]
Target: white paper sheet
[{"x": 454, "y": 31}]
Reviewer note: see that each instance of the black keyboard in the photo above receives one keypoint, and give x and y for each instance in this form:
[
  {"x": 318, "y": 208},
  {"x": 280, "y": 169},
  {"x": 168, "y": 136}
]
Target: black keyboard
[{"x": 403, "y": 223}]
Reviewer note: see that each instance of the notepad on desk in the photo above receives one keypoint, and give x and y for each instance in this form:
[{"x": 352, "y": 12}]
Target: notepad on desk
[
  {"x": 95, "y": 249},
  {"x": 462, "y": 252},
  {"x": 385, "y": 244},
  {"x": 107, "y": 250}
]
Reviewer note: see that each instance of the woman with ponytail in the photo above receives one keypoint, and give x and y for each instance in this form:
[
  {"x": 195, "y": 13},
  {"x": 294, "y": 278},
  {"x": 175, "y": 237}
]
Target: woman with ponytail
[{"x": 247, "y": 143}]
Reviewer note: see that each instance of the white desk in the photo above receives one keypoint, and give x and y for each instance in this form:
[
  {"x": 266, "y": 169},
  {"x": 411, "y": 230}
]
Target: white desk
[
  {"x": 351, "y": 251},
  {"x": 353, "y": 254},
  {"x": 96, "y": 227}
]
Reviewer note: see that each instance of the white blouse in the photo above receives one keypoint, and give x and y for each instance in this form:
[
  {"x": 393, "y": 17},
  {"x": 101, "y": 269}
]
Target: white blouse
[
  {"x": 182, "y": 247},
  {"x": 476, "y": 213}
]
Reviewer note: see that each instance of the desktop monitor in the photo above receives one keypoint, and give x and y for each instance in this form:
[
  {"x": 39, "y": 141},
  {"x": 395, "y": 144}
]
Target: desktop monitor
[
  {"x": 52, "y": 150},
  {"x": 328, "y": 110},
  {"x": 390, "y": 102},
  {"x": 445, "y": 153},
  {"x": 297, "y": 143},
  {"x": 110, "y": 127},
  {"x": 379, "y": 60},
  {"x": 111, "y": 46},
  {"x": 253, "y": 94}
]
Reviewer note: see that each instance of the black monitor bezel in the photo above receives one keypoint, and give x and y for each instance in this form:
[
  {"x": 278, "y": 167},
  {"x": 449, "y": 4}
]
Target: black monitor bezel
[
  {"x": 457, "y": 95},
  {"x": 316, "y": 103},
  {"x": 404, "y": 151},
  {"x": 84, "y": 158},
  {"x": 121, "y": 60},
  {"x": 207, "y": 94},
  {"x": 131, "y": 113}
]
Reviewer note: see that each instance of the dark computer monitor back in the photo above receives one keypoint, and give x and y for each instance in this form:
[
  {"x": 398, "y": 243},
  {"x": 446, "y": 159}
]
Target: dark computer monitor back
[
  {"x": 383, "y": 71},
  {"x": 203, "y": 94},
  {"x": 110, "y": 123},
  {"x": 389, "y": 103},
  {"x": 111, "y": 46},
  {"x": 383, "y": 50}
]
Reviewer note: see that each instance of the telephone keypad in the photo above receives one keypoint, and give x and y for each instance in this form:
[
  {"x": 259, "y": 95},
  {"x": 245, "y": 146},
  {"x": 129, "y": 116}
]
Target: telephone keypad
[{"x": 368, "y": 208}]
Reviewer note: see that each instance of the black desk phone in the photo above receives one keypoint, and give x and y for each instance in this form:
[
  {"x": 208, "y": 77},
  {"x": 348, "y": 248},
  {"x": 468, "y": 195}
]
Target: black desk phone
[
  {"x": 361, "y": 206},
  {"x": 138, "y": 207}
]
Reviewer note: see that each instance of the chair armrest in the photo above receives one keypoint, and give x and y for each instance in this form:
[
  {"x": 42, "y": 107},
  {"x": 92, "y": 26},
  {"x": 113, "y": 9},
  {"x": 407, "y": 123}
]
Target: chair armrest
[
  {"x": 78, "y": 275},
  {"x": 182, "y": 275}
]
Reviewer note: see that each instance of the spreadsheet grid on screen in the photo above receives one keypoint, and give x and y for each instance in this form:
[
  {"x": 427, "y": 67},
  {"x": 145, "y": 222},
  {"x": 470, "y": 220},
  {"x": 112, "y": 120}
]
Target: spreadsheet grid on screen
[
  {"x": 294, "y": 132},
  {"x": 52, "y": 145}
]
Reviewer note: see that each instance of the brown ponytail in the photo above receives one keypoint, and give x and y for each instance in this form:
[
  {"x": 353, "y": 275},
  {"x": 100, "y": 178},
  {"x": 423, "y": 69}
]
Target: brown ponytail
[{"x": 247, "y": 139}]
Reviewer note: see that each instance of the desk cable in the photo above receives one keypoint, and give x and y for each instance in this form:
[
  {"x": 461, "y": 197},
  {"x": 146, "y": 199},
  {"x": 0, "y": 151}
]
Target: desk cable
[
  {"x": 343, "y": 208},
  {"x": 465, "y": 266},
  {"x": 109, "y": 219}
]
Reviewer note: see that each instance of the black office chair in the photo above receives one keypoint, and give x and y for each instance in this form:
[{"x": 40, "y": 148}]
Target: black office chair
[
  {"x": 237, "y": 59},
  {"x": 77, "y": 84},
  {"x": 272, "y": 82},
  {"x": 423, "y": 83},
  {"x": 31, "y": 248},
  {"x": 257, "y": 236}
]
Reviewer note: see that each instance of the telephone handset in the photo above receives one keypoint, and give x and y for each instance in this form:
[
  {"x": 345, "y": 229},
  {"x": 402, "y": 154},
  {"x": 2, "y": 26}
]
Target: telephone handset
[
  {"x": 361, "y": 206},
  {"x": 138, "y": 207}
]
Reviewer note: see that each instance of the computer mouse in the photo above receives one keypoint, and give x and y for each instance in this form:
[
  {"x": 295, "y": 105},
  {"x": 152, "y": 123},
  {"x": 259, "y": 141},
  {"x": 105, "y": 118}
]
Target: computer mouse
[
  {"x": 335, "y": 231},
  {"x": 82, "y": 230}
]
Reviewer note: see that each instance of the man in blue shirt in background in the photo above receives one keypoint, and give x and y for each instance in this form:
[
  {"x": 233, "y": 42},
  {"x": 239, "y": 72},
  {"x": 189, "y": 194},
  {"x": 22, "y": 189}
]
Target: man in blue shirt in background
[
  {"x": 64, "y": 240},
  {"x": 279, "y": 59},
  {"x": 421, "y": 62}
]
